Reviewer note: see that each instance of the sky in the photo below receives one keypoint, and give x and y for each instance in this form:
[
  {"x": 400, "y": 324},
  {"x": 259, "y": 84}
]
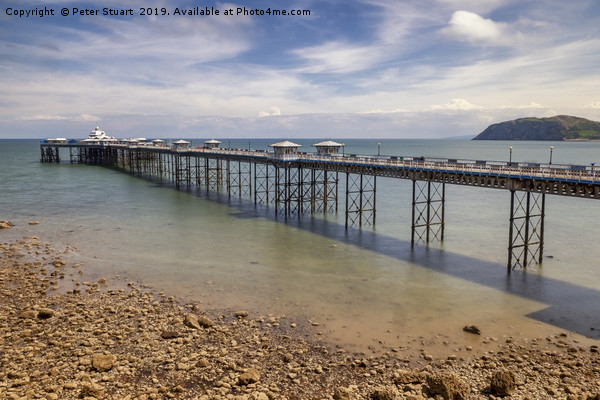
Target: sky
[{"x": 341, "y": 69}]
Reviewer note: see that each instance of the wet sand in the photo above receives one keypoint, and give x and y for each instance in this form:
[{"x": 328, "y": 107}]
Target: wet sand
[{"x": 66, "y": 336}]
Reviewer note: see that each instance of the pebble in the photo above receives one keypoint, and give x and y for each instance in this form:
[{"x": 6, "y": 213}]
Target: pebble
[{"x": 137, "y": 344}]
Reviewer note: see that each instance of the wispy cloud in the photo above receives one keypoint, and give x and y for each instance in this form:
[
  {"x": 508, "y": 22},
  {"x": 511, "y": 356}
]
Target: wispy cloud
[{"x": 372, "y": 64}]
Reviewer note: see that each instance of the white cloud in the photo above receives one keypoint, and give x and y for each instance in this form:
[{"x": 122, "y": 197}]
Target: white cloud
[
  {"x": 379, "y": 111},
  {"x": 273, "y": 111},
  {"x": 593, "y": 105},
  {"x": 456, "y": 105},
  {"x": 43, "y": 117},
  {"x": 532, "y": 105},
  {"x": 466, "y": 25},
  {"x": 338, "y": 57}
]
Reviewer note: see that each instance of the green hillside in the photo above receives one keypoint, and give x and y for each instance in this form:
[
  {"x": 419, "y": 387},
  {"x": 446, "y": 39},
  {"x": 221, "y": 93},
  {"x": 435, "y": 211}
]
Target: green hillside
[{"x": 560, "y": 127}]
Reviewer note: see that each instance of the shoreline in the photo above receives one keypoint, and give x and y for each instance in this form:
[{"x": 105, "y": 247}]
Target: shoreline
[{"x": 113, "y": 339}]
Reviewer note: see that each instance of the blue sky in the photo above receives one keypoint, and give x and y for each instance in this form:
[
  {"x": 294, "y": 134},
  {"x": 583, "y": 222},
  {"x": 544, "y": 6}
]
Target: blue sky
[{"x": 369, "y": 68}]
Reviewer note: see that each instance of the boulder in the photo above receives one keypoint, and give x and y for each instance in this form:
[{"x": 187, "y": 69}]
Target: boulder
[
  {"x": 474, "y": 329},
  {"x": 205, "y": 321},
  {"x": 197, "y": 322},
  {"x": 342, "y": 394},
  {"x": 29, "y": 314},
  {"x": 45, "y": 313},
  {"x": 250, "y": 376},
  {"x": 103, "y": 362},
  {"x": 384, "y": 393},
  {"x": 404, "y": 377},
  {"x": 448, "y": 385},
  {"x": 191, "y": 321},
  {"x": 92, "y": 390},
  {"x": 6, "y": 224},
  {"x": 169, "y": 334},
  {"x": 503, "y": 383}
]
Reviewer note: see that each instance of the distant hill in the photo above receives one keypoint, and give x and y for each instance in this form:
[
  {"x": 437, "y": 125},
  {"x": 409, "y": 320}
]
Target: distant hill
[{"x": 560, "y": 127}]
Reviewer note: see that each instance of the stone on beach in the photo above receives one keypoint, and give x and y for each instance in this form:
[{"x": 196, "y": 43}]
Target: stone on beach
[
  {"x": 250, "y": 376},
  {"x": 448, "y": 385},
  {"x": 197, "y": 322},
  {"x": 135, "y": 344},
  {"x": 503, "y": 383},
  {"x": 474, "y": 329},
  {"x": 103, "y": 362},
  {"x": 6, "y": 224},
  {"x": 29, "y": 314},
  {"x": 45, "y": 313}
]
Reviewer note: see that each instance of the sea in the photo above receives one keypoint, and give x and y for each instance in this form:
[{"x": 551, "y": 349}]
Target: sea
[{"x": 359, "y": 288}]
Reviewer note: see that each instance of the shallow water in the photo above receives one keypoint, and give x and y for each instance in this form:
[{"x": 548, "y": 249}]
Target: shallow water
[{"x": 364, "y": 286}]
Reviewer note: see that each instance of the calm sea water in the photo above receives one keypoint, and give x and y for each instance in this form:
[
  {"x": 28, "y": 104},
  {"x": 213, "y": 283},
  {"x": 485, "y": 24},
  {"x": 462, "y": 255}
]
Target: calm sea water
[{"x": 362, "y": 286}]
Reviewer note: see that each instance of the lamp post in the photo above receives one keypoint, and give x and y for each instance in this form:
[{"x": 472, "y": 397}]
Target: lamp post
[
  {"x": 510, "y": 155},
  {"x": 378, "y": 149},
  {"x": 551, "y": 149}
]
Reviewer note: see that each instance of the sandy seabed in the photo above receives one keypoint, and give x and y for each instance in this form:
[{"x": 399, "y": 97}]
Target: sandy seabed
[{"x": 63, "y": 337}]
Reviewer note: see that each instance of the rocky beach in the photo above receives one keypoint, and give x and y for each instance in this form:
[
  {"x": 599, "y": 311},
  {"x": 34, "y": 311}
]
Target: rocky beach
[{"x": 63, "y": 336}]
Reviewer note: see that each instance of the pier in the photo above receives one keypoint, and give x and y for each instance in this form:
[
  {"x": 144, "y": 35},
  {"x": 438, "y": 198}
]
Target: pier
[{"x": 302, "y": 183}]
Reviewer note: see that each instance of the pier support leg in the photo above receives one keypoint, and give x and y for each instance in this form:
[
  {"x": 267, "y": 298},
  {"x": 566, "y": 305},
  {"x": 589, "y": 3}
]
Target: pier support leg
[
  {"x": 239, "y": 178},
  {"x": 526, "y": 229},
  {"x": 264, "y": 182},
  {"x": 360, "y": 199},
  {"x": 323, "y": 191},
  {"x": 428, "y": 211},
  {"x": 214, "y": 174},
  {"x": 288, "y": 190}
]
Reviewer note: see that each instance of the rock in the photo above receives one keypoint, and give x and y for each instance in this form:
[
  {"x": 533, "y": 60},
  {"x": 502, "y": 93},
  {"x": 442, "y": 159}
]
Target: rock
[
  {"x": 34, "y": 222},
  {"x": 92, "y": 390},
  {"x": 474, "y": 329},
  {"x": 241, "y": 314},
  {"x": 384, "y": 393},
  {"x": 169, "y": 334},
  {"x": 191, "y": 321},
  {"x": 503, "y": 383},
  {"x": 103, "y": 362},
  {"x": 197, "y": 322},
  {"x": 205, "y": 321},
  {"x": 250, "y": 376},
  {"x": 202, "y": 363},
  {"x": 45, "y": 313},
  {"x": 342, "y": 394},
  {"x": 6, "y": 224},
  {"x": 30, "y": 314},
  {"x": 447, "y": 385},
  {"x": 405, "y": 377}
]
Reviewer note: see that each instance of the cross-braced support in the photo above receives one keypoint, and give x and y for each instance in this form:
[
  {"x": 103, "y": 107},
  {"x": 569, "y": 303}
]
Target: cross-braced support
[
  {"x": 360, "y": 199},
  {"x": 324, "y": 195},
  {"x": 50, "y": 155},
  {"x": 183, "y": 174},
  {"x": 214, "y": 174},
  {"x": 428, "y": 203},
  {"x": 287, "y": 190},
  {"x": 264, "y": 182},
  {"x": 239, "y": 178},
  {"x": 526, "y": 230}
]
